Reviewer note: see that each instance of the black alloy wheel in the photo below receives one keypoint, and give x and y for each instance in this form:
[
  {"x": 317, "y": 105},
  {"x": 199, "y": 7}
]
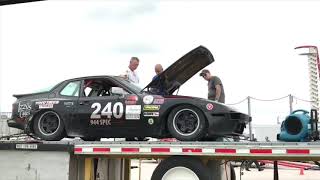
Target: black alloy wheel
[
  {"x": 49, "y": 126},
  {"x": 186, "y": 123}
]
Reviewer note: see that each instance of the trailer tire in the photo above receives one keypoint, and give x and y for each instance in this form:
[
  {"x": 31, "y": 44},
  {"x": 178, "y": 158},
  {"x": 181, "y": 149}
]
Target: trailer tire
[
  {"x": 186, "y": 123},
  {"x": 189, "y": 168},
  {"x": 49, "y": 126}
]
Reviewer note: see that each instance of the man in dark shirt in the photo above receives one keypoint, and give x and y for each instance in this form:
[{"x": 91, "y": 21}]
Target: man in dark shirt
[
  {"x": 215, "y": 87},
  {"x": 158, "y": 69},
  {"x": 159, "y": 88}
]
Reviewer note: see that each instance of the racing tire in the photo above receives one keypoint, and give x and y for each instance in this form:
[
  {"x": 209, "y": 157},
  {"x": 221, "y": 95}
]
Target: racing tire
[
  {"x": 186, "y": 123},
  {"x": 49, "y": 126},
  {"x": 181, "y": 167}
]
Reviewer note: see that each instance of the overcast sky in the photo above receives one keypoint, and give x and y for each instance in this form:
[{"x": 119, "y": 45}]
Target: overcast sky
[{"x": 43, "y": 43}]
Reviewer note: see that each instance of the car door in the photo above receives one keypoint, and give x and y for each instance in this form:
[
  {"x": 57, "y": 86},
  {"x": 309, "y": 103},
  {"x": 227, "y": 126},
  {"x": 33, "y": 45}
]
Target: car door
[
  {"x": 104, "y": 114},
  {"x": 65, "y": 104}
]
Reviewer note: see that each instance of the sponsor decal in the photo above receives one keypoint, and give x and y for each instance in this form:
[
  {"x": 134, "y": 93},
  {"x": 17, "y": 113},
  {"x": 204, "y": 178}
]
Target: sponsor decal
[
  {"x": 133, "y": 111},
  {"x": 24, "y": 110},
  {"x": 132, "y": 116},
  {"x": 46, "y": 104},
  {"x": 151, "y": 107},
  {"x": 100, "y": 122},
  {"x": 128, "y": 102},
  {"x": 150, "y": 121},
  {"x": 158, "y": 101},
  {"x": 148, "y": 99},
  {"x": 151, "y": 114},
  {"x": 209, "y": 106},
  {"x": 131, "y": 99}
]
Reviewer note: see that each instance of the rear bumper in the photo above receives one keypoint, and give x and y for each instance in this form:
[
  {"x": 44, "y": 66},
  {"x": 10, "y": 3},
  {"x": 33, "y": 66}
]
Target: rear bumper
[
  {"x": 12, "y": 123},
  {"x": 227, "y": 124}
]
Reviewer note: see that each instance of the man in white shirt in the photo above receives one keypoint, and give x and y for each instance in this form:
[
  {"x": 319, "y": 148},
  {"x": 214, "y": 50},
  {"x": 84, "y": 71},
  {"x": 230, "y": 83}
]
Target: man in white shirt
[{"x": 130, "y": 73}]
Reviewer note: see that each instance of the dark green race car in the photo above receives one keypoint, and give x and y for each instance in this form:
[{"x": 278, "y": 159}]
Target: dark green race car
[{"x": 109, "y": 106}]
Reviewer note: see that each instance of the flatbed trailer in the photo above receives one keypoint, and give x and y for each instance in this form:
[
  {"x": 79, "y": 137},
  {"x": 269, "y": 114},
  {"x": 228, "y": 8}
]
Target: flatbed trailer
[{"x": 82, "y": 160}]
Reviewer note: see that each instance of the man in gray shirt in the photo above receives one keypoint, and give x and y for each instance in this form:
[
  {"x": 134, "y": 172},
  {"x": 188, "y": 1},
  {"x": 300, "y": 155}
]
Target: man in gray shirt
[{"x": 215, "y": 87}]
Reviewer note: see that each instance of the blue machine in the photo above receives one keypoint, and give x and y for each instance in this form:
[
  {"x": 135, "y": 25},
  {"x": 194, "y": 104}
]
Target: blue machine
[{"x": 299, "y": 126}]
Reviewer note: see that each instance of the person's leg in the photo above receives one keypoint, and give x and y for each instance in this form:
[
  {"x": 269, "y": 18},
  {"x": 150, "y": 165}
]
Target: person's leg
[{"x": 248, "y": 164}]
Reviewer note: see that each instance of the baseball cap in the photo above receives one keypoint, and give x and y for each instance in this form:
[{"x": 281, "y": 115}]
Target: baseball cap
[{"x": 204, "y": 72}]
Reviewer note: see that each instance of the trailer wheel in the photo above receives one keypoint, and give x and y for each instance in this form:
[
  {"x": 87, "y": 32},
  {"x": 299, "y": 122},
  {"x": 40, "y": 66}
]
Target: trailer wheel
[
  {"x": 181, "y": 167},
  {"x": 186, "y": 123},
  {"x": 49, "y": 126}
]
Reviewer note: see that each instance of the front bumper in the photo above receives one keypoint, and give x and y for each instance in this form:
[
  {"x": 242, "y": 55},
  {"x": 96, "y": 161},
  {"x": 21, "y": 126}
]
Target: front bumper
[{"x": 232, "y": 123}]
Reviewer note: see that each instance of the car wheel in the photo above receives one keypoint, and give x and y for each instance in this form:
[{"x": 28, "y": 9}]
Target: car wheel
[
  {"x": 49, "y": 126},
  {"x": 186, "y": 123},
  {"x": 181, "y": 167}
]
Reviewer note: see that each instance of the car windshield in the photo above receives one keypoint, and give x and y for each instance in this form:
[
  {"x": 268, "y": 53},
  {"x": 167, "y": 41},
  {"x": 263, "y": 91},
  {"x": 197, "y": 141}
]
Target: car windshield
[{"x": 132, "y": 86}]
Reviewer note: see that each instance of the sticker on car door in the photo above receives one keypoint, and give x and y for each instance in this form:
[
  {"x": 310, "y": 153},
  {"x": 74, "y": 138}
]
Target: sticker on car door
[{"x": 133, "y": 112}]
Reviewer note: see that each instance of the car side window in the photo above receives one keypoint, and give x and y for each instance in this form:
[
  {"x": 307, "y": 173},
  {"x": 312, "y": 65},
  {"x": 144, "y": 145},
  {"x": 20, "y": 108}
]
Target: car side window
[
  {"x": 101, "y": 87},
  {"x": 96, "y": 90},
  {"x": 71, "y": 89}
]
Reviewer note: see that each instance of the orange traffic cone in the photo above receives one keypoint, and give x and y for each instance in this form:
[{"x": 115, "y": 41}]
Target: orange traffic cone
[{"x": 301, "y": 171}]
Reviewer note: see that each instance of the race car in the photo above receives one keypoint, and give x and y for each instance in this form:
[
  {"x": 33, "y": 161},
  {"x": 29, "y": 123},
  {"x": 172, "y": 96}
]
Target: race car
[{"x": 111, "y": 107}]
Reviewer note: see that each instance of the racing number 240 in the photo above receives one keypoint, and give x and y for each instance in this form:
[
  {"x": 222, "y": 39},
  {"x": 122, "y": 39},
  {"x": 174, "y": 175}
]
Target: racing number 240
[{"x": 106, "y": 111}]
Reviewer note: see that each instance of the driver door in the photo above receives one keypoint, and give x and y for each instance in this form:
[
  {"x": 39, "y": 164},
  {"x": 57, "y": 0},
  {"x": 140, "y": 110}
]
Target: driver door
[{"x": 104, "y": 113}]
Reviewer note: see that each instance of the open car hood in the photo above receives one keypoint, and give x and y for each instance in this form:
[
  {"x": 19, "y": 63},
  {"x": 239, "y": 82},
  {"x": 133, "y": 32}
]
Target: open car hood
[{"x": 180, "y": 71}]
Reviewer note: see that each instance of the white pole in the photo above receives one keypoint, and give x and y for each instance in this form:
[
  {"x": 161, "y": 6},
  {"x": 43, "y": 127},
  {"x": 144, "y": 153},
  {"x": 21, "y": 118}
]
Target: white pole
[{"x": 249, "y": 113}]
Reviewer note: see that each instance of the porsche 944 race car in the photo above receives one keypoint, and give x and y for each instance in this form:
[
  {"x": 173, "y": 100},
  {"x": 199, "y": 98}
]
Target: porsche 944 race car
[{"x": 109, "y": 106}]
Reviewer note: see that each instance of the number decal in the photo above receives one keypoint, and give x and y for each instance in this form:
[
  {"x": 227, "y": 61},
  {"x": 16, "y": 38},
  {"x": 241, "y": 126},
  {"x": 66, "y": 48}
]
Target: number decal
[
  {"x": 107, "y": 110},
  {"x": 95, "y": 114},
  {"x": 117, "y": 110}
]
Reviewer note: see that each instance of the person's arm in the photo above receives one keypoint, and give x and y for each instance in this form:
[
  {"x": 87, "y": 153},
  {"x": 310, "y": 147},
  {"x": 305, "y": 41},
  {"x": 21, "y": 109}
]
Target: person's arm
[
  {"x": 218, "y": 92},
  {"x": 218, "y": 87},
  {"x": 125, "y": 75}
]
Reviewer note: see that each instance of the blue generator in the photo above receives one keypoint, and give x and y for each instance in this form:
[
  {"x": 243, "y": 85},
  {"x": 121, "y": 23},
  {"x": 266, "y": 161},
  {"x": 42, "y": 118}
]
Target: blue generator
[{"x": 299, "y": 126}]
